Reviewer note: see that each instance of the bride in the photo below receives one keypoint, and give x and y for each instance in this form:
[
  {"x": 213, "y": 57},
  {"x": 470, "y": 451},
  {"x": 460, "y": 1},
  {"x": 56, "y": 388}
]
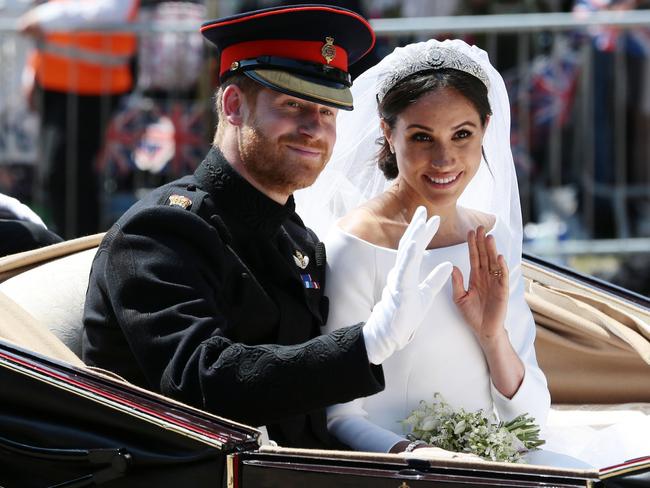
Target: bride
[
  {"x": 431, "y": 127},
  {"x": 444, "y": 132}
]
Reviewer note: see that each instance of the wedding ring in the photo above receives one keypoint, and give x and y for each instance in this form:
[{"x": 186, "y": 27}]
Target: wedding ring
[{"x": 497, "y": 272}]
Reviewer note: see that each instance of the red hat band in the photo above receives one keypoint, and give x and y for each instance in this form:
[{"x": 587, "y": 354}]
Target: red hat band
[{"x": 325, "y": 52}]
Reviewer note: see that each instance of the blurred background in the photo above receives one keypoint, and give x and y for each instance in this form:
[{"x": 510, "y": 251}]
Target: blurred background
[{"x": 575, "y": 70}]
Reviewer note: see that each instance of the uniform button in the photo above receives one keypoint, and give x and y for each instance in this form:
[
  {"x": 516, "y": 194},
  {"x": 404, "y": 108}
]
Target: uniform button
[
  {"x": 191, "y": 187},
  {"x": 244, "y": 275}
]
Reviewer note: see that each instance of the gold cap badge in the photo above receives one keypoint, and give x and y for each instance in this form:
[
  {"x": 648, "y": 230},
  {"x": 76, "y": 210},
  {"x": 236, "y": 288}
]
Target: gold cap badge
[
  {"x": 328, "y": 50},
  {"x": 180, "y": 201},
  {"x": 301, "y": 260}
]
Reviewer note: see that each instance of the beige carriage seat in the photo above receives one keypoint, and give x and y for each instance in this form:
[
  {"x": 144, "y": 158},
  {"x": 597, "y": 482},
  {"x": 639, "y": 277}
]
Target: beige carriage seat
[
  {"x": 49, "y": 285},
  {"x": 593, "y": 347},
  {"x": 20, "y": 328}
]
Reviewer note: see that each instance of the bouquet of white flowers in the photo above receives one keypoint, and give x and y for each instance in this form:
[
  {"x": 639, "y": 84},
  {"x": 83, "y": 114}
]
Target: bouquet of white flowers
[{"x": 439, "y": 425}]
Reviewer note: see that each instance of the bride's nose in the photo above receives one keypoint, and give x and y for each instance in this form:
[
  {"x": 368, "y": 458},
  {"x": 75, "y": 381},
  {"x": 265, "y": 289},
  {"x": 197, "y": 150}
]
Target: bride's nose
[{"x": 441, "y": 156}]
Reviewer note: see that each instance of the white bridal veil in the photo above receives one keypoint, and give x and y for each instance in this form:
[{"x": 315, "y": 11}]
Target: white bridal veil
[{"x": 352, "y": 176}]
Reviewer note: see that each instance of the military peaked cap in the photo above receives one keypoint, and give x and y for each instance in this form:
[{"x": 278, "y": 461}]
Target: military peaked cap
[{"x": 301, "y": 50}]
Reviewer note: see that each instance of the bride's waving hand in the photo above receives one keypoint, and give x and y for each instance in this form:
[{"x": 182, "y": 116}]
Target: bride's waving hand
[
  {"x": 484, "y": 306},
  {"x": 485, "y": 303}
]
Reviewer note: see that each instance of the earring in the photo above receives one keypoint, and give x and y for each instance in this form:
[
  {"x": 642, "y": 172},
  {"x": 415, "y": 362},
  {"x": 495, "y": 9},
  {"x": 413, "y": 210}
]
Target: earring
[{"x": 392, "y": 150}]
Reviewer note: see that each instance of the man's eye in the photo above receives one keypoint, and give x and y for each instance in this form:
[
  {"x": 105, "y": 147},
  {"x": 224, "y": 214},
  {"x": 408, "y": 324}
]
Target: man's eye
[
  {"x": 327, "y": 112},
  {"x": 462, "y": 134},
  {"x": 293, "y": 104}
]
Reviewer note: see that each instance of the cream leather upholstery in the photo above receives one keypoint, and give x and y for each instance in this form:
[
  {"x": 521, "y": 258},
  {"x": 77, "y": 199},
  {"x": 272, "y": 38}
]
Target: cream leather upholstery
[{"x": 54, "y": 294}]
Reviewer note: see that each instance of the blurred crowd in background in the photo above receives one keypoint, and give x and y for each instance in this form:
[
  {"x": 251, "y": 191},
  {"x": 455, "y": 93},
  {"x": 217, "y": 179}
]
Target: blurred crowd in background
[{"x": 117, "y": 144}]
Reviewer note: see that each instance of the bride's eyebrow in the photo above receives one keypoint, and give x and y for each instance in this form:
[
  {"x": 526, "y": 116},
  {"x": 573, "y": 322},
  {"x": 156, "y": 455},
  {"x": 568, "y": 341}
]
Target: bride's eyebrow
[
  {"x": 467, "y": 122},
  {"x": 456, "y": 127}
]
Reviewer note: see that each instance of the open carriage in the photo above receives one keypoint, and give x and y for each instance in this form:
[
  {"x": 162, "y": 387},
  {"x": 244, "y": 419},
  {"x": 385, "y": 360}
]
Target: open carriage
[{"x": 64, "y": 424}]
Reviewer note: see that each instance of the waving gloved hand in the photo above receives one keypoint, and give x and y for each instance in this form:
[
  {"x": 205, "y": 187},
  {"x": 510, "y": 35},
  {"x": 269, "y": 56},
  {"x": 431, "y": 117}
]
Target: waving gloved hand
[{"x": 405, "y": 300}]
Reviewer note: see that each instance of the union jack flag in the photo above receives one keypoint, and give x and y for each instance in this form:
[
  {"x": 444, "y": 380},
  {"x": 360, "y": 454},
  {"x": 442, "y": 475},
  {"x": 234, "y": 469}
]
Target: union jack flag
[
  {"x": 548, "y": 88},
  {"x": 636, "y": 42},
  {"x": 155, "y": 136}
]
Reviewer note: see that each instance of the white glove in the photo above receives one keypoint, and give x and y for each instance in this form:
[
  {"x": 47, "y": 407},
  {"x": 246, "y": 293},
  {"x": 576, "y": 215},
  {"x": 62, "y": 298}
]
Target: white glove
[{"x": 405, "y": 301}]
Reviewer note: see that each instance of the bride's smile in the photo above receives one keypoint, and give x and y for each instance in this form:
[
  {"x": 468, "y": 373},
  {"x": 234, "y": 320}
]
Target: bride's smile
[{"x": 443, "y": 181}]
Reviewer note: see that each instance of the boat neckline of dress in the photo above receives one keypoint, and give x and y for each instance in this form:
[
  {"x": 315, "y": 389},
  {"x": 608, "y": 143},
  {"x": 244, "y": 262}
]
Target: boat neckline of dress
[{"x": 426, "y": 251}]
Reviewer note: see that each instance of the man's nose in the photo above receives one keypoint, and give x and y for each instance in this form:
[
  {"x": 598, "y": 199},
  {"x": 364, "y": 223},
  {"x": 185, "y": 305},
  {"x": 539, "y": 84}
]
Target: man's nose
[{"x": 311, "y": 123}]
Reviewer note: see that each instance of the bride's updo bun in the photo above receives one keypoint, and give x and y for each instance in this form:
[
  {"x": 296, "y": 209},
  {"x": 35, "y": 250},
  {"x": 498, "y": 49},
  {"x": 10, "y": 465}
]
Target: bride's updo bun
[{"x": 411, "y": 88}]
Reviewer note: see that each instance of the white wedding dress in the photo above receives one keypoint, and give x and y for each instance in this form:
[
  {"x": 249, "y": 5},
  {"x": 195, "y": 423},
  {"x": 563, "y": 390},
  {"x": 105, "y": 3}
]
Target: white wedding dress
[{"x": 444, "y": 355}]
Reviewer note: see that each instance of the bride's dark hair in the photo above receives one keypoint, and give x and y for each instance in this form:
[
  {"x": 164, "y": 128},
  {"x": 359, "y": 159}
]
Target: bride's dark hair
[{"x": 411, "y": 88}]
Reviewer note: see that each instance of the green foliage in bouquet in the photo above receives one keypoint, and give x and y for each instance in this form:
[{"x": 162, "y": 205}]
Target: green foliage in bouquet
[{"x": 439, "y": 425}]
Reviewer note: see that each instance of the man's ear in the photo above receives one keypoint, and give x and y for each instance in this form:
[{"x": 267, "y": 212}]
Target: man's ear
[{"x": 233, "y": 101}]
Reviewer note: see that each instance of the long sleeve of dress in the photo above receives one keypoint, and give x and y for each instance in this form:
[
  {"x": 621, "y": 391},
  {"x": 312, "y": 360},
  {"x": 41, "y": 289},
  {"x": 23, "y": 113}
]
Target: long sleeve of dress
[
  {"x": 354, "y": 290},
  {"x": 532, "y": 396}
]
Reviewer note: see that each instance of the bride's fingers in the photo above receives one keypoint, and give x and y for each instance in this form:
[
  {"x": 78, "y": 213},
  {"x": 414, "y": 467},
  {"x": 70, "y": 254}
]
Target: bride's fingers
[
  {"x": 473, "y": 251},
  {"x": 491, "y": 247},
  {"x": 505, "y": 277},
  {"x": 458, "y": 289},
  {"x": 482, "y": 249}
]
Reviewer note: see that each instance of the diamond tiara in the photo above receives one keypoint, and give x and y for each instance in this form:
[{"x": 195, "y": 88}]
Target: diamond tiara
[{"x": 435, "y": 58}]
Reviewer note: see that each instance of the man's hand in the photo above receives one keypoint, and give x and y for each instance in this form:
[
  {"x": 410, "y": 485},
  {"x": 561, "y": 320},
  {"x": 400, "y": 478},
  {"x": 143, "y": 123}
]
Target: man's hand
[{"x": 405, "y": 300}]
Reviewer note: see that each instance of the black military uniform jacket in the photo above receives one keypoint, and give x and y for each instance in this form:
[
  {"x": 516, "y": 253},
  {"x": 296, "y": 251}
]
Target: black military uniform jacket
[{"x": 210, "y": 292}]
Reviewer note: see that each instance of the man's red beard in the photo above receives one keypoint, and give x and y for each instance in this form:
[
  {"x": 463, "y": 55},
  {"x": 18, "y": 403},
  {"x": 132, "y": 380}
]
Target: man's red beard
[{"x": 277, "y": 169}]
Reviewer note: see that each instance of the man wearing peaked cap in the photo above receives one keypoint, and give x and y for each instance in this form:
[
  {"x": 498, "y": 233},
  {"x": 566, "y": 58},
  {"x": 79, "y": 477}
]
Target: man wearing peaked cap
[
  {"x": 312, "y": 64},
  {"x": 211, "y": 289}
]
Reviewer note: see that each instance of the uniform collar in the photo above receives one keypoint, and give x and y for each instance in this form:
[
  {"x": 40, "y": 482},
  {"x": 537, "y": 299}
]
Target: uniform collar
[{"x": 236, "y": 196}]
